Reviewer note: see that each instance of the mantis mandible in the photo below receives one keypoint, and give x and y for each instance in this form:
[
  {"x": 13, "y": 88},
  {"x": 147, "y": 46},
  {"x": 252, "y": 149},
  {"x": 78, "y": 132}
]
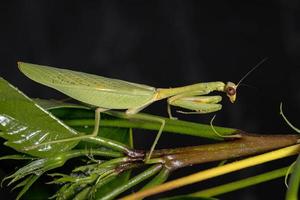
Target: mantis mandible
[{"x": 107, "y": 94}]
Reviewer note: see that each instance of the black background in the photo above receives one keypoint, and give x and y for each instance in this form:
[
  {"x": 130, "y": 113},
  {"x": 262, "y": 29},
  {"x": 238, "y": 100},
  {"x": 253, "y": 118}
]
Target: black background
[{"x": 168, "y": 44}]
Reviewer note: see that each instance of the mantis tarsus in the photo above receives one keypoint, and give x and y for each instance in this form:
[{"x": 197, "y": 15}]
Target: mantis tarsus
[{"x": 106, "y": 94}]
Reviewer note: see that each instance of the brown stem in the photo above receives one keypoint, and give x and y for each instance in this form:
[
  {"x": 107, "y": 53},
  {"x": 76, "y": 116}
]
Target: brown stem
[{"x": 248, "y": 144}]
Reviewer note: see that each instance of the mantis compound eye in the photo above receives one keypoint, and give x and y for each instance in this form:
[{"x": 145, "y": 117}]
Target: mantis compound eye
[{"x": 231, "y": 91}]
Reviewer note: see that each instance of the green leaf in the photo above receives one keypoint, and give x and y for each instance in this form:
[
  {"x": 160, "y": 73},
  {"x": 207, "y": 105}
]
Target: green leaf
[
  {"x": 294, "y": 183},
  {"x": 16, "y": 157},
  {"x": 20, "y": 117},
  {"x": 29, "y": 181},
  {"x": 24, "y": 123},
  {"x": 95, "y": 177},
  {"x": 154, "y": 169},
  {"x": 160, "y": 178},
  {"x": 37, "y": 167},
  {"x": 121, "y": 179},
  {"x": 83, "y": 194}
]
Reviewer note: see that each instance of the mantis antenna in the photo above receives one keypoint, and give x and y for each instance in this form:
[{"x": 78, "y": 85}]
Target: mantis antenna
[{"x": 248, "y": 73}]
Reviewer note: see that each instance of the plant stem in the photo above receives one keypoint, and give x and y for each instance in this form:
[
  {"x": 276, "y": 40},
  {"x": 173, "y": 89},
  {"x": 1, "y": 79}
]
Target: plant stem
[
  {"x": 134, "y": 181},
  {"x": 292, "y": 192},
  {"x": 172, "y": 126},
  {"x": 95, "y": 152},
  {"x": 217, "y": 171},
  {"x": 248, "y": 144},
  {"x": 114, "y": 145},
  {"x": 236, "y": 185},
  {"x": 160, "y": 178}
]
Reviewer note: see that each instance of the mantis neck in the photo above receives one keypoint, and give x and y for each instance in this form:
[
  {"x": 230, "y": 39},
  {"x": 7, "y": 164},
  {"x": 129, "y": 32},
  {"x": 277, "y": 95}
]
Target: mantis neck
[{"x": 198, "y": 87}]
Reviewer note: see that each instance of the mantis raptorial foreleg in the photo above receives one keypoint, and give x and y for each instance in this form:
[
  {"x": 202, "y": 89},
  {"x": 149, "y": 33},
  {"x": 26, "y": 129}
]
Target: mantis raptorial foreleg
[
  {"x": 200, "y": 104},
  {"x": 172, "y": 100},
  {"x": 194, "y": 101}
]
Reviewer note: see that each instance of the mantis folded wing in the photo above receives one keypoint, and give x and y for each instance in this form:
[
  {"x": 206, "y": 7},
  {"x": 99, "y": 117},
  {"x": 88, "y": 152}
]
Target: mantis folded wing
[{"x": 106, "y": 94}]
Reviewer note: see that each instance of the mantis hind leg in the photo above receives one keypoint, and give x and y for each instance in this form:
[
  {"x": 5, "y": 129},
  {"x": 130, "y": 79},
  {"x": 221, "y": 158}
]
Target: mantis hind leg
[
  {"x": 94, "y": 133},
  {"x": 94, "y": 138}
]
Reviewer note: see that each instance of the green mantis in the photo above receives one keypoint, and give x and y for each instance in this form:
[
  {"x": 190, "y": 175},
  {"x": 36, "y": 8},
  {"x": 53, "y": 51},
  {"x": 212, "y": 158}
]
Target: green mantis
[{"x": 107, "y": 94}]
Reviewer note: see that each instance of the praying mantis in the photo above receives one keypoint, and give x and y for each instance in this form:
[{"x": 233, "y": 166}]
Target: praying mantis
[{"x": 110, "y": 94}]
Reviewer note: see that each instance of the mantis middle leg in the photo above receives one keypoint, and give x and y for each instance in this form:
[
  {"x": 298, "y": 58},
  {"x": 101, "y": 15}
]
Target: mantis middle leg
[{"x": 130, "y": 114}]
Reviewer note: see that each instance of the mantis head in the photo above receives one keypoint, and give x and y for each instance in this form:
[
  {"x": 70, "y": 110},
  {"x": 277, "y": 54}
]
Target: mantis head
[{"x": 230, "y": 90}]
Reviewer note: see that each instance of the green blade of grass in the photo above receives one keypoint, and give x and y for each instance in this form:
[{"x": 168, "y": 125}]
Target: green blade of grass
[
  {"x": 292, "y": 192},
  {"x": 236, "y": 185},
  {"x": 217, "y": 171}
]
